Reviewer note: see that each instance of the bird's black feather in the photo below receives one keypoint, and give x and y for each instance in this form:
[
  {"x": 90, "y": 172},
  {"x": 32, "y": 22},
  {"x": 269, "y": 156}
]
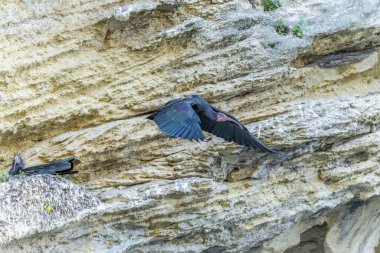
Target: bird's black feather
[
  {"x": 177, "y": 118},
  {"x": 60, "y": 167},
  {"x": 230, "y": 131}
]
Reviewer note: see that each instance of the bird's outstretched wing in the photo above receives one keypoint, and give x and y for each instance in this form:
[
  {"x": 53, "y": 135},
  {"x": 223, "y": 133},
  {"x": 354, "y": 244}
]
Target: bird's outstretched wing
[
  {"x": 178, "y": 118},
  {"x": 234, "y": 131},
  {"x": 64, "y": 166}
]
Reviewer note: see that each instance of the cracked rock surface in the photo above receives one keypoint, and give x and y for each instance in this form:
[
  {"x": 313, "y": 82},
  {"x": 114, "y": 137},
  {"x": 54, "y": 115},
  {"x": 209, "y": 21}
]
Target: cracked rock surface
[{"x": 77, "y": 78}]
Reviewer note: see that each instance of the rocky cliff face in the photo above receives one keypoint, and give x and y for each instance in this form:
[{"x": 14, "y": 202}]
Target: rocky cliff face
[{"x": 77, "y": 78}]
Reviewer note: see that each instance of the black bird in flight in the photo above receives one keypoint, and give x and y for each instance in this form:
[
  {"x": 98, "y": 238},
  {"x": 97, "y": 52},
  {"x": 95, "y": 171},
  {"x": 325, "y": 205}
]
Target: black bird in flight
[
  {"x": 60, "y": 167},
  {"x": 186, "y": 118}
]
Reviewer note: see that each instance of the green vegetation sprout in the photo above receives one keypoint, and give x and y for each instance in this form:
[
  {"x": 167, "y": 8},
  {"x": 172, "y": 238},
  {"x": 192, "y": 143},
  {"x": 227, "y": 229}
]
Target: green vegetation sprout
[
  {"x": 48, "y": 208},
  {"x": 299, "y": 29},
  {"x": 270, "y": 5},
  {"x": 281, "y": 27},
  {"x": 3, "y": 176}
]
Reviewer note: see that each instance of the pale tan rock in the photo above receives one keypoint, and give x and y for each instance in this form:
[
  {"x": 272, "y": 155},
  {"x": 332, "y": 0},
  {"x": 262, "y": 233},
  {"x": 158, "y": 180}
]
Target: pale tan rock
[{"x": 78, "y": 78}]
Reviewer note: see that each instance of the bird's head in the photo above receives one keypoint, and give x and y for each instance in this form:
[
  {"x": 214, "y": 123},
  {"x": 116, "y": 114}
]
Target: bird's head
[
  {"x": 17, "y": 165},
  {"x": 199, "y": 104},
  {"x": 198, "y": 99}
]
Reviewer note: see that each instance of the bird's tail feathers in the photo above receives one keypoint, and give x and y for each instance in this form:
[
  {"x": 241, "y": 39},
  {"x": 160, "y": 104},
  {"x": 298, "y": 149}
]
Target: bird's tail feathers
[
  {"x": 279, "y": 154},
  {"x": 264, "y": 148}
]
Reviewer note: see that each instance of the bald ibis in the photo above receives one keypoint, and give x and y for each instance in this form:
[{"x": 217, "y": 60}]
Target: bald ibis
[
  {"x": 60, "y": 167},
  {"x": 186, "y": 118}
]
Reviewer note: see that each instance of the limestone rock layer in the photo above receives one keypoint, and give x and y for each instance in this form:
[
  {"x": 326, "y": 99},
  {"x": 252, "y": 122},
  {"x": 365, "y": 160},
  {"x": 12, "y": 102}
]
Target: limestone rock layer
[{"x": 78, "y": 78}]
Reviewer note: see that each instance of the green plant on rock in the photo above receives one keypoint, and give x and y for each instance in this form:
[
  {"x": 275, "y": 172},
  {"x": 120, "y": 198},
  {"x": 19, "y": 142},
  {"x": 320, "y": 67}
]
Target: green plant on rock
[
  {"x": 48, "y": 207},
  {"x": 4, "y": 176},
  {"x": 299, "y": 29},
  {"x": 281, "y": 27},
  {"x": 270, "y": 5}
]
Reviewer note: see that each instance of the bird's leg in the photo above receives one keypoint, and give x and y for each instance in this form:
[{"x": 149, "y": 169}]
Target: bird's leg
[
  {"x": 209, "y": 139},
  {"x": 222, "y": 117}
]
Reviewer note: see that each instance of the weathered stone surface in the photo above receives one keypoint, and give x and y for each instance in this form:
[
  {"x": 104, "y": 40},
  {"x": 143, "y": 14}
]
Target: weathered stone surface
[
  {"x": 40, "y": 203},
  {"x": 79, "y": 77}
]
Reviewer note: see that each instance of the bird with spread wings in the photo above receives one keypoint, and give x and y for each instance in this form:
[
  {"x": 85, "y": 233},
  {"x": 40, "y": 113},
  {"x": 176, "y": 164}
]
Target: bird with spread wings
[{"x": 186, "y": 118}]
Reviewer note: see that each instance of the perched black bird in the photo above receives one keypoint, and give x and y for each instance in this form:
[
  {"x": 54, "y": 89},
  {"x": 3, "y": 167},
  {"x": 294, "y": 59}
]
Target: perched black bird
[
  {"x": 60, "y": 167},
  {"x": 186, "y": 118}
]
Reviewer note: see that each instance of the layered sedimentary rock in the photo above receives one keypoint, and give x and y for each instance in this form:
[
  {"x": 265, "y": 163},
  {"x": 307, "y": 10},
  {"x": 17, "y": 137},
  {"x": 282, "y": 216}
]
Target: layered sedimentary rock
[{"x": 78, "y": 78}]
